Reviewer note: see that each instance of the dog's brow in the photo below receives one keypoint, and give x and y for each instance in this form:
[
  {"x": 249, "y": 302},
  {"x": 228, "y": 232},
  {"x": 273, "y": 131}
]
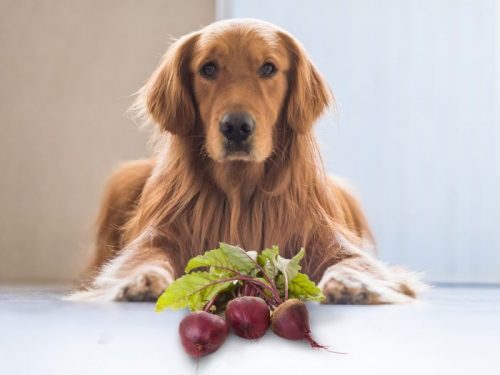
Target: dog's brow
[{"x": 211, "y": 48}]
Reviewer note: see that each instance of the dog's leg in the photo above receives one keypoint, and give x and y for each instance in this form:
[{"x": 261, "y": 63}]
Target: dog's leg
[
  {"x": 137, "y": 274},
  {"x": 364, "y": 280},
  {"x": 119, "y": 201}
]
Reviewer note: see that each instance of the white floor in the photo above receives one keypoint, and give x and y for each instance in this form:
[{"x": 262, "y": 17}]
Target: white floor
[{"x": 451, "y": 331}]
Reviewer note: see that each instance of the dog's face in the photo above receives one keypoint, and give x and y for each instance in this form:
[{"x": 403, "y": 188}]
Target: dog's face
[
  {"x": 236, "y": 81},
  {"x": 240, "y": 81}
]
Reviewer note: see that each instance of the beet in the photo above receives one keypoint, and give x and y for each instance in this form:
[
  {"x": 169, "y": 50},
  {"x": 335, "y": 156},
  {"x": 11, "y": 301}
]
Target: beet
[
  {"x": 202, "y": 333},
  {"x": 248, "y": 317},
  {"x": 290, "y": 320}
]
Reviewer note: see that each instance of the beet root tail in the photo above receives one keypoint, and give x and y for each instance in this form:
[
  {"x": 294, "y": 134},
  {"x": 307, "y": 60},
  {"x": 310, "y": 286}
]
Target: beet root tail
[{"x": 315, "y": 345}]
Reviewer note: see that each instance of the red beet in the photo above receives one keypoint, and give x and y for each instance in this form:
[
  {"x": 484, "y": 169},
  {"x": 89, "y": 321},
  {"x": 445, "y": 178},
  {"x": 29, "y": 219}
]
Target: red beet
[
  {"x": 202, "y": 333},
  {"x": 248, "y": 317},
  {"x": 290, "y": 320}
]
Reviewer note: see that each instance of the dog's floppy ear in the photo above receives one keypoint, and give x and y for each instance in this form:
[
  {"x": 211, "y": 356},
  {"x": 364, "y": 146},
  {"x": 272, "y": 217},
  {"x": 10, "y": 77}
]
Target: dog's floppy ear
[
  {"x": 309, "y": 94},
  {"x": 167, "y": 97}
]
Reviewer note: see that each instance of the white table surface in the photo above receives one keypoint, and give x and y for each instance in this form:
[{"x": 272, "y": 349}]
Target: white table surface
[{"x": 450, "y": 331}]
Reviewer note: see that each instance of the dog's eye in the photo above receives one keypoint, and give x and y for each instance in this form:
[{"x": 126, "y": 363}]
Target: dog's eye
[
  {"x": 208, "y": 70},
  {"x": 267, "y": 70}
]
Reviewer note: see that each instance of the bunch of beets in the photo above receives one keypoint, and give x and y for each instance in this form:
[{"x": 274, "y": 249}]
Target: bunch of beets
[
  {"x": 249, "y": 317},
  {"x": 242, "y": 293}
]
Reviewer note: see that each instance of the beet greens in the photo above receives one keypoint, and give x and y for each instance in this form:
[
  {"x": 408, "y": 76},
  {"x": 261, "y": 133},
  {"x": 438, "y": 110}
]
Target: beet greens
[{"x": 230, "y": 269}]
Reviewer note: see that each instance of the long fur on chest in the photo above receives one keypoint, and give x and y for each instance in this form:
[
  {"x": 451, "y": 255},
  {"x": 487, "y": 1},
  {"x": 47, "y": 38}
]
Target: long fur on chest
[{"x": 191, "y": 203}]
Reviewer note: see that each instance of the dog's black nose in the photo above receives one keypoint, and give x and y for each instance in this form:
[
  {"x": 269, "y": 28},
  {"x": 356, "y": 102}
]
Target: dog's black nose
[{"x": 237, "y": 126}]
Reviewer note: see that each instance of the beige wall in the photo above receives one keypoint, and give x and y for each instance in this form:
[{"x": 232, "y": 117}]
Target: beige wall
[{"x": 67, "y": 70}]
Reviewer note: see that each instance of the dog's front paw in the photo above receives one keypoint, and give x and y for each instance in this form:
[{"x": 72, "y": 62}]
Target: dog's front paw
[
  {"x": 144, "y": 284},
  {"x": 347, "y": 292},
  {"x": 346, "y": 285}
]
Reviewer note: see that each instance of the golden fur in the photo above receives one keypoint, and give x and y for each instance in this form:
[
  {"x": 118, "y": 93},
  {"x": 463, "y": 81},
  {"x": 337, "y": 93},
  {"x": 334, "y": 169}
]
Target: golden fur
[{"x": 161, "y": 212}]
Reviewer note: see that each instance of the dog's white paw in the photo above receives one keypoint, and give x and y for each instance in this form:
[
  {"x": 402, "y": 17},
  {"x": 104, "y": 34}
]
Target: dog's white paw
[
  {"x": 144, "y": 284},
  {"x": 346, "y": 285}
]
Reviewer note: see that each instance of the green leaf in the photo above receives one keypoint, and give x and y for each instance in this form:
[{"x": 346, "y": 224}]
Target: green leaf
[
  {"x": 267, "y": 260},
  {"x": 280, "y": 284},
  {"x": 289, "y": 267},
  {"x": 302, "y": 288},
  {"x": 238, "y": 258},
  {"x": 193, "y": 290},
  {"x": 268, "y": 254},
  {"x": 262, "y": 280},
  {"x": 223, "y": 260},
  {"x": 212, "y": 258}
]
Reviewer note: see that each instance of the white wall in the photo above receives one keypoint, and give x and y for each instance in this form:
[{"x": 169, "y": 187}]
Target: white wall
[{"x": 417, "y": 130}]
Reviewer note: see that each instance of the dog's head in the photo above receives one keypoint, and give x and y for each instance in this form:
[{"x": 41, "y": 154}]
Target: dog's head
[{"x": 235, "y": 81}]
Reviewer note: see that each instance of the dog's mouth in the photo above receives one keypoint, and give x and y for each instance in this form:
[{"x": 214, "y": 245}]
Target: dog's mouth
[{"x": 237, "y": 150}]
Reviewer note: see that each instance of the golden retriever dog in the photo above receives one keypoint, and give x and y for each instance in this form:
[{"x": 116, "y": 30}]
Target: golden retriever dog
[{"x": 237, "y": 161}]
